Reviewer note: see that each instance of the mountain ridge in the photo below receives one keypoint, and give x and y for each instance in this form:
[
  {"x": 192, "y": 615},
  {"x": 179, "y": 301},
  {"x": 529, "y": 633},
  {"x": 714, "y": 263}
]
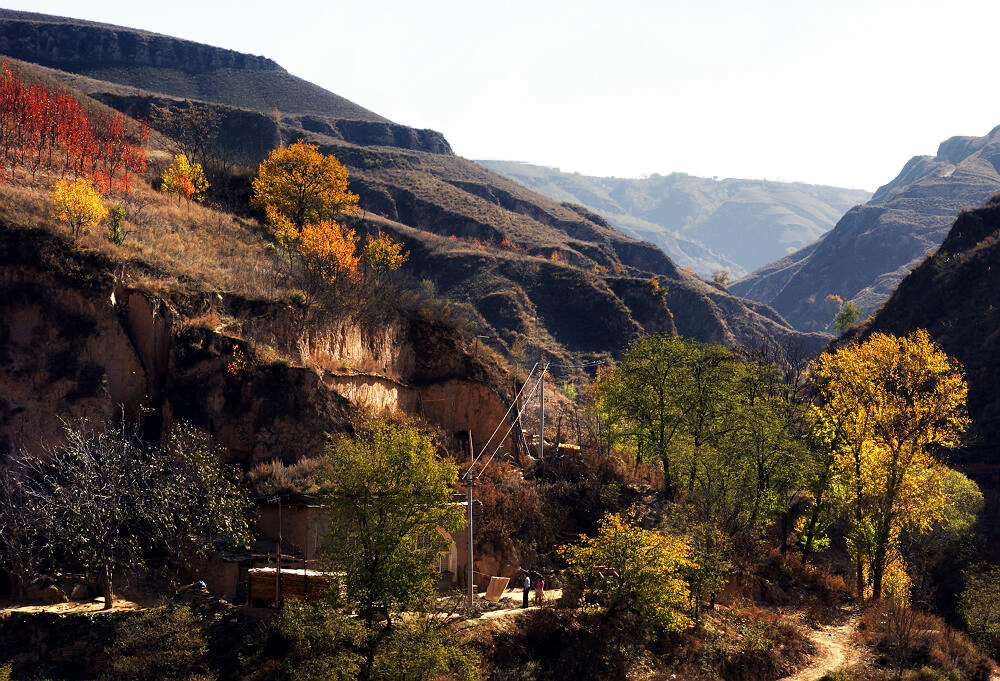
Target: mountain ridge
[
  {"x": 875, "y": 245},
  {"x": 707, "y": 223}
]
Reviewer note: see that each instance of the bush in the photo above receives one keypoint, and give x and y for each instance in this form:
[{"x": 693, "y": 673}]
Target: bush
[
  {"x": 927, "y": 641},
  {"x": 163, "y": 643},
  {"x": 980, "y": 606},
  {"x": 116, "y": 230}
]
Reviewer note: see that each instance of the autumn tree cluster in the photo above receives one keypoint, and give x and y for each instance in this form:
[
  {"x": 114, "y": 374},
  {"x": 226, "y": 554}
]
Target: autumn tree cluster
[
  {"x": 301, "y": 192},
  {"x": 743, "y": 443},
  {"x": 185, "y": 179},
  {"x": 42, "y": 128}
]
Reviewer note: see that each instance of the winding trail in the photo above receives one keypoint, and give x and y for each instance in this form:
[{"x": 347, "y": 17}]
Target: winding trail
[{"x": 834, "y": 649}]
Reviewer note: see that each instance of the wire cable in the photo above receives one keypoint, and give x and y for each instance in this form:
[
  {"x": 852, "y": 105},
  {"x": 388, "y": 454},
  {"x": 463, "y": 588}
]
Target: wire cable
[
  {"x": 500, "y": 425},
  {"x": 511, "y": 426}
]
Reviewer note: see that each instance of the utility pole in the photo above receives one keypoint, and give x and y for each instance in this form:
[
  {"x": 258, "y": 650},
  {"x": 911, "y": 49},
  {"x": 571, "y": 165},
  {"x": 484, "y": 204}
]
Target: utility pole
[
  {"x": 541, "y": 415},
  {"x": 278, "y": 600},
  {"x": 471, "y": 483}
]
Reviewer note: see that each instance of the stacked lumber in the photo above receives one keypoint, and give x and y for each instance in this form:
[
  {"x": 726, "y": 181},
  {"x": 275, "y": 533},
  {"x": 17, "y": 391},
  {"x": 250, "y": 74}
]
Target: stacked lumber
[{"x": 295, "y": 583}]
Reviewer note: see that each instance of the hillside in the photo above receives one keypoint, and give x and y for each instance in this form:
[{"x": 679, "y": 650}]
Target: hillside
[
  {"x": 708, "y": 224},
  {"x": 955, "y": 295},
  {"x": 475, "y": 236},
  {"x": 875, "y": 245}
]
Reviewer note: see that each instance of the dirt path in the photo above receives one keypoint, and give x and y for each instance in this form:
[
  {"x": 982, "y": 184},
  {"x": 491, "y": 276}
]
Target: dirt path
[{"x": 834, "y": 649}]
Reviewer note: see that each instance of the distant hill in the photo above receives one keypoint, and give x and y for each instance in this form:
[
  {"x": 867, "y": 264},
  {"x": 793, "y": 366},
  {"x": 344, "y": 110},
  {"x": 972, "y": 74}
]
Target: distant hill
[
  {"x": 708, "y": 224},
  {"x": 875, "y": 245},
  {"x": 537, "y": 275},
  {"x": 955, "y": 295}
]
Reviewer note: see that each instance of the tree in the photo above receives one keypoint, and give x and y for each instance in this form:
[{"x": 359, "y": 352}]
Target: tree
[
  {"x": 382, "y": 254},
  {"x": 109, "y": 500},
  {"x": 676, "y": 397},
  {"x": 184, "y": 178},
  {"x": 22, "y": 519},
  {"x": 846, "y": 317},
  {"x": 980, "y": 606},
  {"x": 630, "y": 571},
  {"x": 390, "y": 498},
  {"x": 77, "y": 204},
  {"x": 721, "y": 277},
  {"x": 327, "y": 252},
  {"x": 892, "y": 402},
  {"x": 303, "y": 185}
]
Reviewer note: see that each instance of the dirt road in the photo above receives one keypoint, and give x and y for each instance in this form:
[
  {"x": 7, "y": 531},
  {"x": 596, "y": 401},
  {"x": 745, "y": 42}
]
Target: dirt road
[{"x": 834, "y": 649}]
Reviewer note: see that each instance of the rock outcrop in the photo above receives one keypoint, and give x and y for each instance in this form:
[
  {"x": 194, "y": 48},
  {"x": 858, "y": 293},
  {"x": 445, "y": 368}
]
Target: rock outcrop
[
  {"x": 76, "y": 45},
  {"x": 77, "y": 343}
]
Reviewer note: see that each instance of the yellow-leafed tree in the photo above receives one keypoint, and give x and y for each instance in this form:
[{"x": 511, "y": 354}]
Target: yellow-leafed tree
[
  {"x": 184, "y": 178},
  {"x": 631, "y": 571},
  {"x": 77, "y": 204},
  {"x": 892, "y": 402},
  {"x": 303, "y": 185},
  {"x": 382, "y": 254}
]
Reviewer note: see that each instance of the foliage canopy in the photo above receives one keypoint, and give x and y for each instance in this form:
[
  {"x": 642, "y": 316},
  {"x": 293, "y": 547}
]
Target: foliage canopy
[
  {"x": 303, "y": 185},
  {"x": 77, "y": 204},
  {"x": 629, "y": 570}
]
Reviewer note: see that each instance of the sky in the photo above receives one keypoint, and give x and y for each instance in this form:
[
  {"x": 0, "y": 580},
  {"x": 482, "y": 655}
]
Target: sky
[{"x": 829, "y": 92}]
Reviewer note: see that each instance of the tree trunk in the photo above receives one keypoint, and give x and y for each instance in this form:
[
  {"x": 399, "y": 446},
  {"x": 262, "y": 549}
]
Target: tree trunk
[
  {"x": 107, "y": 587},
  {"x": 811, "y": 530},
  {"x": 879, "y": 559},
  {"x": 668, "y": 484}
]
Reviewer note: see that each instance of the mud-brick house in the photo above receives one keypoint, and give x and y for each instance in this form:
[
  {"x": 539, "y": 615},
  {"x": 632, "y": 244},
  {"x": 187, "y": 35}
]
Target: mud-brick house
[{"x": 300, "y": 524}]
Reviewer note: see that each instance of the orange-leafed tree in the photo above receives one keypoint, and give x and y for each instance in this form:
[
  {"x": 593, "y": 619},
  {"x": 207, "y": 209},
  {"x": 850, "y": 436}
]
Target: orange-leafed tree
[
  {"x": 327, "y": 252},
  {"x": 77, "y": 204},
  {"x": 303, "y": 185}
]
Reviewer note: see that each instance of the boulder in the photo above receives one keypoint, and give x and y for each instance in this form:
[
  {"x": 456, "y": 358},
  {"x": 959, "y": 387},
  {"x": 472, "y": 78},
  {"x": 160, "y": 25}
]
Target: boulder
[
  {"x": 53, "y": 594},
  {"x": 80, "y": 592}
]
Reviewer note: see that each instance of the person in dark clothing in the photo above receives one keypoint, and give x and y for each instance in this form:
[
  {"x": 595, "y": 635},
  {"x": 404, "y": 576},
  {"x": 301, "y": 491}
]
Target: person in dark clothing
[{"x": 527, "y": 589}]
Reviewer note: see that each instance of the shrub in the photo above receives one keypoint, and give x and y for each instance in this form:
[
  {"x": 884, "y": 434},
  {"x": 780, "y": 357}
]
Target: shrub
[
  {"x": 116, "y": 230},
  {"x": 980, "y": 606},
  {"x": 163, "y": 643}
]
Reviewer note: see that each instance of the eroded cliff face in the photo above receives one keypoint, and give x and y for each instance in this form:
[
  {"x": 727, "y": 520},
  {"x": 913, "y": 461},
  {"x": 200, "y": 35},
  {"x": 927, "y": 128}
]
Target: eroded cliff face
[
  {"x": 271, "y": 383},
  {"x": 64, "y": 354},
  {"x": 71, "y": 44}
]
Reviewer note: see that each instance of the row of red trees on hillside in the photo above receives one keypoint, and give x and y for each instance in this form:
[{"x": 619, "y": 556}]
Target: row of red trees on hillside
[{"x": 49, "y": 129}]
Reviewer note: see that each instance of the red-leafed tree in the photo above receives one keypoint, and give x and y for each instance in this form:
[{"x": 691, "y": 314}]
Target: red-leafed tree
[{"x": 48, "y": 129}]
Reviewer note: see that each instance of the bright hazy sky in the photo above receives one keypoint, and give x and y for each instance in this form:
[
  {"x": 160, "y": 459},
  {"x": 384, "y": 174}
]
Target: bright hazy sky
[{"x": 834, "y": 91}]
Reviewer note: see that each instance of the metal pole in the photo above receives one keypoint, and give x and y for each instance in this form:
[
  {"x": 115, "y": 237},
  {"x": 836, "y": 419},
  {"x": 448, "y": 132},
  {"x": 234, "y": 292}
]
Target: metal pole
[
  {"x": 277, "y": 593},
  {"x": 541, "y": 416},
  {"x": 471, "y": 575}
]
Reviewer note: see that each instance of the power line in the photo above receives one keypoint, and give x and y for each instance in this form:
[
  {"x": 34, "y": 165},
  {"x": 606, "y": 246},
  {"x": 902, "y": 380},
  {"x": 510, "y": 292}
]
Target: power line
[
  {"x": 511, "y": 426},
  {"x": 500, "y": 424}
]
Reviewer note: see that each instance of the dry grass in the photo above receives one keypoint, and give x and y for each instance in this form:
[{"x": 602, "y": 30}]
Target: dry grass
[
  {"x": 275, "y": 477},
  {"x": 921, "y": 642},
  {"x": 185, "y": 246}
]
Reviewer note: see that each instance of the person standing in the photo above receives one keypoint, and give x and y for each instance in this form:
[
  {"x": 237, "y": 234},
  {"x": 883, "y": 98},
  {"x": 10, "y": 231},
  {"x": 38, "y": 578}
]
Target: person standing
[
  {"x": 527, "y": 589},
  {"x": 539, "y": 590}
]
